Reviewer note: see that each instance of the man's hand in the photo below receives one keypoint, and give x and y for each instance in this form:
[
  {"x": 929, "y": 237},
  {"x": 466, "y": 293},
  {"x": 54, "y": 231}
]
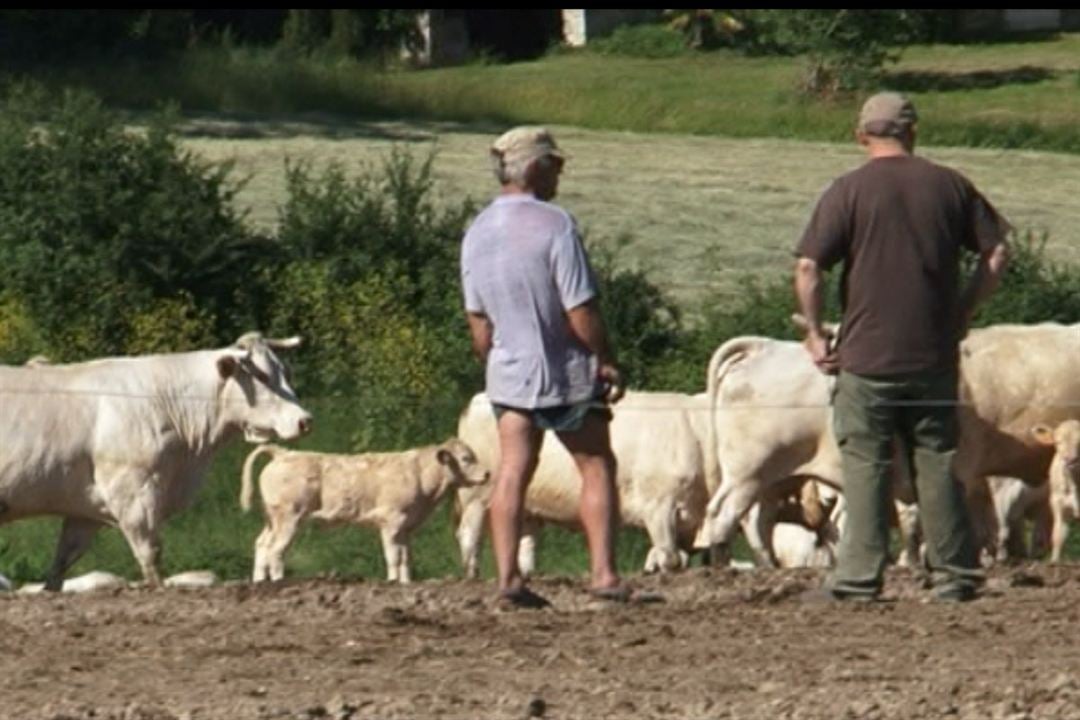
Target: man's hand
[
  {"x": 817, "y": 344},
  {"x": 613, "y": 385}
]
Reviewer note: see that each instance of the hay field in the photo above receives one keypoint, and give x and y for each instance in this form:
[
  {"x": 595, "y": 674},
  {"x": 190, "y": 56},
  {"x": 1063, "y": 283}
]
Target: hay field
[{"x": 699, "y": 211}]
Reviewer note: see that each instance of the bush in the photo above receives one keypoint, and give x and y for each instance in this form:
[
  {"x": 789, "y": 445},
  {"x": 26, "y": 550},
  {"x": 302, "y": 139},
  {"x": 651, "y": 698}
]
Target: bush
[
  {"x": 1034, "y": 289},
  {"x": 643, "y": 41},
  {"x": 372, "y": 279},
  {"x": 643, "y": 324},
  {"x": 98, "y": 222}
]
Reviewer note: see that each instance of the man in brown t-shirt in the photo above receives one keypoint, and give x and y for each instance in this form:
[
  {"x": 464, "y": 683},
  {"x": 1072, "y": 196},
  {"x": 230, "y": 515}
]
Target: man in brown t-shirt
[{"x": 898, "y": 224}]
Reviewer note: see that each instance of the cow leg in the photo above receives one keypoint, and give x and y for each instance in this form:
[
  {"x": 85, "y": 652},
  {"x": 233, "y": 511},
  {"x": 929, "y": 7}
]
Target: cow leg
[
  {"x": 142, "y": 537},
  {"x": 530, "y": 530},
  {"x": 1041, "y": 523},
  {"x": 1061, "y": 528},
  {"x": 757, "y": 526},
  {"x": 76, "y": 534},
  {"x": 405, "y": 564},
  {"x": 983, "y": 517},
  {"x": 281, "y": 531},
  {"x": 393, "y": 551},
  {"x": 664, "y": 553},
  {"x": 727, "y": 508},
  {"x": 469, "y": 533},
  {"x": 907, "y": 517},
  {"x": 261, "y": 570}
]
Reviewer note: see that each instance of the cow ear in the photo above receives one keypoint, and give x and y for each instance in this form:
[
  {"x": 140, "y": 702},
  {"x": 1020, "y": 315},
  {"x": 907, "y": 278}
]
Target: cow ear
[
  {"x": 444, "y": 456},
  {"x": 227, "y": 366},
  {"x": 1043, "y": 434}
]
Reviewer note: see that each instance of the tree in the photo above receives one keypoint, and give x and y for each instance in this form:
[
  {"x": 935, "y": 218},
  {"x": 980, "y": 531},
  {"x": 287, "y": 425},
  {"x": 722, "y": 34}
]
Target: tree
[{"x": 845, "y": 49}]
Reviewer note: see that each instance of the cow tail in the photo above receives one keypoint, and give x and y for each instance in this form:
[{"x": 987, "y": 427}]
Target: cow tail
[
  {"x": 721, "y": 361},
  {"x": 246, "y": 483}
]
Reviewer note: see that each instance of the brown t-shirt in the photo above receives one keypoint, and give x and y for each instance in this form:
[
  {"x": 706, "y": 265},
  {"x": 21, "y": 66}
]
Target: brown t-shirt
[{"x": 899, "y": 224}]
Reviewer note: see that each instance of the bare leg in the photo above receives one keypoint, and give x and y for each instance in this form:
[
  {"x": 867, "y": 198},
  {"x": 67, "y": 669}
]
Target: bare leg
[
  {"x": 519, "y": 444},
  {"x": 591, "y": 449}
]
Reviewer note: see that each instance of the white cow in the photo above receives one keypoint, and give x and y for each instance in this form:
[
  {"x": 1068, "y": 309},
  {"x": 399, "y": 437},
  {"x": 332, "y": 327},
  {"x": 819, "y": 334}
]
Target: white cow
[
  {"x": 1064, "y": 478},
  {"x": 394, "y": 492},
  {"x": 656, "y": 439},
  {"x": 1012, "y": 378},
  {"x": 772, "y": 419},
  {"x": 1014, "y": 502},
  {"x": 772, "y": 422},
  {"x": 127, "y": 442}
]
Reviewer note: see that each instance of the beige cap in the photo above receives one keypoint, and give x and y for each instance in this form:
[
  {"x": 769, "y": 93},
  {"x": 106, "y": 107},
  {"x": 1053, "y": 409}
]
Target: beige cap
[
  {"x": 887, "y": 114},
  {"x": 525, "y": 143}
]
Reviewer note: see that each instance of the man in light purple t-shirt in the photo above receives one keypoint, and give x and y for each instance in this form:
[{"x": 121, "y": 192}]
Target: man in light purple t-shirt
[{"x": 530, "y": 299}]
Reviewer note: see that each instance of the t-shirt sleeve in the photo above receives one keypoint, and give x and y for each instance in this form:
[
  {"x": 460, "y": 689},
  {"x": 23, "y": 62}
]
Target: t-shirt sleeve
[
  {"x": 986, "y": 227},
  {"x": 571, "y": 270},
  {"x": 473, "y": 303},
  {"x": 826, "y": 238}
]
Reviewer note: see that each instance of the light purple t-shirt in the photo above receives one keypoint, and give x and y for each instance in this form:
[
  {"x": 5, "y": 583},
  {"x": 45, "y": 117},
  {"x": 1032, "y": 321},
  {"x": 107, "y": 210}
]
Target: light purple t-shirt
[{"x": 523, "y": 266}]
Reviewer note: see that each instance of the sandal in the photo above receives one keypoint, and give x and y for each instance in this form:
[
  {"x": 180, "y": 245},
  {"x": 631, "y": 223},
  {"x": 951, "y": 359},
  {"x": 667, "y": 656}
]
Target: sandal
[
  {"x": 523, "y": 598},
  {"x": 625, "y": 594}
]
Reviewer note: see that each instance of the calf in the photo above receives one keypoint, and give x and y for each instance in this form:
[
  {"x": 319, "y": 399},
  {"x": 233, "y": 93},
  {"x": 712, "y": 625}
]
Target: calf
[
  {"x": 1064, "y": 478},
  {"x": 797, "y": 547},
  {"x": 1014, "y": 502},
  {"x": 394, "y": 492}
]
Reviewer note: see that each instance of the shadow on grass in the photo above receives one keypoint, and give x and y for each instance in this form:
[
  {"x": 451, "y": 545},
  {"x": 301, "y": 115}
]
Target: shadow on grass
[
  {"x": 262, "y": 126},
  {"x": 976, "y": 80}
]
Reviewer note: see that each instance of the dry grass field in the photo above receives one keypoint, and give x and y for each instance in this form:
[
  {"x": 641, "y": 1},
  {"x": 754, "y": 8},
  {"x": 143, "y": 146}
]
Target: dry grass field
[{"x": 698, "y": 211}]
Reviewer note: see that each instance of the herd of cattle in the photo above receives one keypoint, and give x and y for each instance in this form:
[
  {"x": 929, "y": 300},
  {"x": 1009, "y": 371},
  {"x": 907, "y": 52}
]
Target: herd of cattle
[{"x": 126, "y": 442}]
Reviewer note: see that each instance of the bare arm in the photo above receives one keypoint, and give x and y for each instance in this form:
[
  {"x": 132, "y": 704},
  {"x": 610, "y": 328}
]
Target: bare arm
[
  {"x": 481, "y": 332},
  {"x": 984, "y": 282},
  {"x": 587, "y": 326},
  {"x": 809, "y": 284}
]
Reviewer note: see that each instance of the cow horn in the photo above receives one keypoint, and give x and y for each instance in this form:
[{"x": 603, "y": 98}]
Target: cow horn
[{"x": 284, "y": 343}]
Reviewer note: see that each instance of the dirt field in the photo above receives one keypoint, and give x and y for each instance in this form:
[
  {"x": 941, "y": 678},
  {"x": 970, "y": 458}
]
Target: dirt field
[{"x": 724, "y": 645}]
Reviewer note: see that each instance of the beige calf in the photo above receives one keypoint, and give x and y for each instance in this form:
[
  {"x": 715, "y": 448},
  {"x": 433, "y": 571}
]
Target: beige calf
[
  {"x": 394, "y": 492},
  {"x": 1064, "y": 478}
]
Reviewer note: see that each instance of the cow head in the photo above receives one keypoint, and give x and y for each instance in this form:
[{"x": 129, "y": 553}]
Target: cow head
[
  {"x": 461, "y": 464},
  {"x": 832, "y": 329},
  {"x": 257, "y": 393},
  {"x": 1065, "y": 439}
]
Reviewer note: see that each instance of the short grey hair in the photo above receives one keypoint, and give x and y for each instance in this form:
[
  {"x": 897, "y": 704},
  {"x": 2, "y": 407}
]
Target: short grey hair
[{"x": 513, "y": 172}]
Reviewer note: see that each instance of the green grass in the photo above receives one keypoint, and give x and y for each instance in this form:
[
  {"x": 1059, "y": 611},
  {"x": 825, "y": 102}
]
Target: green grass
[{"x": 1001, "y": 95}]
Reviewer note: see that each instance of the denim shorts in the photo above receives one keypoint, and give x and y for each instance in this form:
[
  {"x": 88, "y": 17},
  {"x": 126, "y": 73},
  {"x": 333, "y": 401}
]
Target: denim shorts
[{"x": 559, "y": 418}]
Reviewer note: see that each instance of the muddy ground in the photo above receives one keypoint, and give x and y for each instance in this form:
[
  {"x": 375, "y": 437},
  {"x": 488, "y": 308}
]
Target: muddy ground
[{"x": 725, "y": 644}]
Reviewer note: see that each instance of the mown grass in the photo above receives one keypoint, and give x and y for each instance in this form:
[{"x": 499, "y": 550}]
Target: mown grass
[
  {"x": 696, "y": 213},
  {"x": 1011, "y": 95}
]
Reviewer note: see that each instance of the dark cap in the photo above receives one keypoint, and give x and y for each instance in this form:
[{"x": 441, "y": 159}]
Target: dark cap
[{"x": 887, "y": 114}]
